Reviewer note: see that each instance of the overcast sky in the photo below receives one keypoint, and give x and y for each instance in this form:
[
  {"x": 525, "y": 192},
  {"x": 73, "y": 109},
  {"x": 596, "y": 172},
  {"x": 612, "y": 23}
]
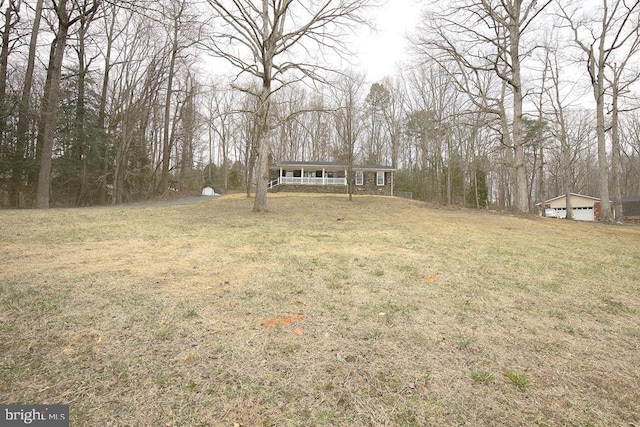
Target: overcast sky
[
  {"x": 376, "y": 53},
  {"x": 380, "y": 52}
]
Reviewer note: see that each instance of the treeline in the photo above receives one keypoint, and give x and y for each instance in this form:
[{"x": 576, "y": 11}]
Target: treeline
[{"x": 503, "y": 104}]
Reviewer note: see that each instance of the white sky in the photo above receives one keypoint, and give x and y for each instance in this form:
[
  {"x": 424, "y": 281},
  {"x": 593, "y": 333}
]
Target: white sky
[{"x": 379, "y": 53}]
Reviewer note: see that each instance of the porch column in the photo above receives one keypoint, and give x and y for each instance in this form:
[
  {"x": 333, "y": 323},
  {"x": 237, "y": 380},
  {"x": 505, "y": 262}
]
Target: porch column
[
  {"x": 280, "y": 176},
  {"x": 302, "y": 176},
  {"x": 323, "y": 176}
]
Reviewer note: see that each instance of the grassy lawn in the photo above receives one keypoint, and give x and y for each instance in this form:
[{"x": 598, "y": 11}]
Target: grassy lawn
[{"x": 322, "y": 312}]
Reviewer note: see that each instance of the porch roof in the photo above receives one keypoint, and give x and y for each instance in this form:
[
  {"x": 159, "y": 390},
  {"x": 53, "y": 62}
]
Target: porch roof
[{"x": 329, "y": 166}]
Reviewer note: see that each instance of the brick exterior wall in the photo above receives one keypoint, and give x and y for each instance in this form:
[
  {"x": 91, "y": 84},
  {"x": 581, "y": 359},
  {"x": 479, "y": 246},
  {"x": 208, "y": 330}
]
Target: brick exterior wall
[
  {"x": 632, "y": 220},
  {"x": 370, "y": 187}
]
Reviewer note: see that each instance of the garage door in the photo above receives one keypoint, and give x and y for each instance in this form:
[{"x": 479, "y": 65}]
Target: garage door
[{"x": 583, "y": 214}]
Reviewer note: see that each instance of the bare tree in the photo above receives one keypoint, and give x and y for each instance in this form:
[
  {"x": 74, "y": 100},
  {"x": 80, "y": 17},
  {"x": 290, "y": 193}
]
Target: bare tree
[
  {"x": 179, "y": 23},
  {"x": 376, "y": 103},
  {"x": 620, "y": 82},
  {"x": 269, "y": 40},
  {"x": 560, "y": 131},
  {"x": 348, "y": 121},
  {"x": 49, "y": 112},
  {"x": 317, "y": 128},
  {"x": 18, "y": 166},
  {"x": 393, "y": 115},
  {"x": 220, "y": 122},
  {"x": 189, "y": 125},
  {"x": 436, "y": 97},
  {"x": 11, "y": 19},
  {"x": 87, "y": 13},
  {"x": 612, "y": 35},
  {"x": 472, "y": 37},
  {"x": 289, "y": 106},
  {"x": 135, "y": 117},
  {"x": 111, "y": 33},
  {"x": 630, "y": 149}
]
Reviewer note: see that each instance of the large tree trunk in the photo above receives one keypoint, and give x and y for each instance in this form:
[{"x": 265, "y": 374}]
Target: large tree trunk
[
  {"x": 566, "y": 166},
  {"x": 188, "y": 129},
  {"x": 603, "y": 170},
  {"x": 166, "y": 140},
  {"x": 450, "y": 162},
  {"x": 225, "y": 161},
  {"x": 102, "y": 112},
  {"x": 23, "y": 112},
  {"x": 269, "y": 37},
  {"x": 81, "y": 140},
  {"x": 4, "y": 63},
  {"x": 49, "y": 114},
  {"x": 522, "y": 199},
  {"x": 615, "y": 154},
  {"x": 120, "y": 165},
  {"x": 262, "y": 179},
  {"x": 250, "y": 155}
]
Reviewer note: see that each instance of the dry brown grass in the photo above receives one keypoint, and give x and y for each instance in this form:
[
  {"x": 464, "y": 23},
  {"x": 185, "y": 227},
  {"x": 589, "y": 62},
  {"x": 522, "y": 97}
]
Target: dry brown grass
[{"x": 396, "y": 315}]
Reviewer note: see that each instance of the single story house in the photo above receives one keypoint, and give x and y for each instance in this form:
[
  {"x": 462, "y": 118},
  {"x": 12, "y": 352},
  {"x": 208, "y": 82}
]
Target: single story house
[
  {"x": 585, "y": 208},
  {"x": 631, "y": 209},
  {"x": 330, "y": 177}
]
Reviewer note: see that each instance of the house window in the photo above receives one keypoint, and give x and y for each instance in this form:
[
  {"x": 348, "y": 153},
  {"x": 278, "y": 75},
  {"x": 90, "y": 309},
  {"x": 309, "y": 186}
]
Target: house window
[
  {"x": 380, "y": 178},
  {"x": 359, "y": 178}
]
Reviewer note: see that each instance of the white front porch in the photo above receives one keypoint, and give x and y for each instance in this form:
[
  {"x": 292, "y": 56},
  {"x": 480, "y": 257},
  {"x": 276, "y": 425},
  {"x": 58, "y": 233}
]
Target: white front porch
[
  {"x": 301, "y": 175},
  {"x": 307, "y": 180}
]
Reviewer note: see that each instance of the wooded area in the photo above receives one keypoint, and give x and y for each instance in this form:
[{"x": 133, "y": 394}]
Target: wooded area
[{"x": 499, "y": 103}]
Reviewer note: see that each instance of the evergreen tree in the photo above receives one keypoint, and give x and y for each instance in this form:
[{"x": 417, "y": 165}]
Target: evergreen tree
[{"x": 477, "y": 193}]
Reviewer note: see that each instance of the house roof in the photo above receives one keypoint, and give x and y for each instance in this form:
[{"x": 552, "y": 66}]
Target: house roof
[
  {"x": 335, "y": 165},
  {"x": 597, "y": 199}
]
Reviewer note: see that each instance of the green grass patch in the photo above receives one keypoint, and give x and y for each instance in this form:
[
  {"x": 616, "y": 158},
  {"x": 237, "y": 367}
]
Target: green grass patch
[
  {"x": 519, "y": 379},
  {"x": 482, "y": 377}
]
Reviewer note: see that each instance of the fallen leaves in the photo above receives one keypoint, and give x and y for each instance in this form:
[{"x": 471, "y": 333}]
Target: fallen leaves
[
  {"x": 430, "y": 279},
  {"x": 282, "y": 321},
  {"x": 285, "y": 321}
]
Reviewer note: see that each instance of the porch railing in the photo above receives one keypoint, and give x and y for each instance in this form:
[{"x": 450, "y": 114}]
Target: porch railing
[{"x": 297, "y": 180}]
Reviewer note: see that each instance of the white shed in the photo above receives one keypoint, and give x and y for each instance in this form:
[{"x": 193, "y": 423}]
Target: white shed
[
  {"x": 585, "y": 208},
  {"x": 208, "y": 191}
]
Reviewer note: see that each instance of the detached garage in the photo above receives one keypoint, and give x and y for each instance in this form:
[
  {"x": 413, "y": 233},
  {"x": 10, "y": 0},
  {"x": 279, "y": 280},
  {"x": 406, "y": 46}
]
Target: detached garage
[{"x": 585, "y": 208}]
